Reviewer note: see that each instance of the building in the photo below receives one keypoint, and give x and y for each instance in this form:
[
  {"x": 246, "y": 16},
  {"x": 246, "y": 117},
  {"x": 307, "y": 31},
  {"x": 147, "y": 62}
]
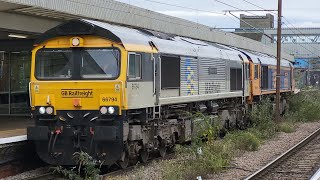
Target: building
[{"x": 260, "y": 22}]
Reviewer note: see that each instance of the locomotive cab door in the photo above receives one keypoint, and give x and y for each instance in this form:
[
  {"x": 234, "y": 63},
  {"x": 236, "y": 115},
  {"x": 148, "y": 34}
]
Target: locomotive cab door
[
  {"x": 156, "y": 77},
  {"x": 256, "y": 79},
  {"x": 140, "y": 80}
]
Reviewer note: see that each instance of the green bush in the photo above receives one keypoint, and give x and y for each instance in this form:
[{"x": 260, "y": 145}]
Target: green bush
[
  {"x": 244, "y": 141},
  {"x": 261, "y": 117},
  {"x": 287, "y": 127},
  {"x": 86, "y": 169},
  {"x": 304, "y": 107},
  {"x": 206, "y": 128},
  {"x": 189, "y": 163},
  {"x": 214, "y": 157},
  {"x": 261, "y": 113}
]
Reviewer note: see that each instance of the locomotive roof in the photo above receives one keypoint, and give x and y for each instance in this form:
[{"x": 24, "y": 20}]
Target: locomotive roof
[
  {"x": 286, "y": 63},
  {"x": 146, "y": 40},
  {"x": 254, "y": 58}
]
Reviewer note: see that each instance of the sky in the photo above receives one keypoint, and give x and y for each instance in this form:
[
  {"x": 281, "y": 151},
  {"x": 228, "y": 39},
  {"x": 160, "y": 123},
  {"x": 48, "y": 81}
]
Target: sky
[{"x": 297, "y": 13}]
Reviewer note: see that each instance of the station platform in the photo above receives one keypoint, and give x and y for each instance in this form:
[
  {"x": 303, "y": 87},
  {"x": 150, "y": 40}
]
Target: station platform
[
  {"x": 14, "y": 129},
  {"x": 13, "y": 138}
]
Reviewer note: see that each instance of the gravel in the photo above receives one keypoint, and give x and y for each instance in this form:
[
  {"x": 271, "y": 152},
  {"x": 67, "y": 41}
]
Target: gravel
[
  {"x": 28, "y": 174},
  {"x": 249, "y": 162},
  {"x": 244, "y": 164}
]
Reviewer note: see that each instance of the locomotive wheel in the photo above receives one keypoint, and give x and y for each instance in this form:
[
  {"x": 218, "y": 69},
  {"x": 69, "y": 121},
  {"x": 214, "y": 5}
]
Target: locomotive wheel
[
  {"x": 124, "y": 162},
  {"x": 144, "y": 155}
]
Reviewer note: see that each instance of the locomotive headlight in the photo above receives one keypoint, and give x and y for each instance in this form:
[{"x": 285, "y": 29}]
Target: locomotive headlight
[
  {"x": 75, "y": 41},
  {"x": 103, "y": 110},
  {"x": 111, "y": 110},
  {"x": 42, "y": 110},
  {"x": 49, "y": 110}
]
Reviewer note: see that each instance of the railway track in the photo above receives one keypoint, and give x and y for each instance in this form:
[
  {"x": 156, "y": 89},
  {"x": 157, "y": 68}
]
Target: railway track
[{"x": 299, "y": 162}]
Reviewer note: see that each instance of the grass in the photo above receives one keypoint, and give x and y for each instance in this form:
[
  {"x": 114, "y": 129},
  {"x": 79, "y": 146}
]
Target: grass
[
  {"x": 202, "y": 157},
  {"x": 244, "y": 141},
  {"x": 215, "y": 156},
  {"x": 304, "y": 107},
  {"x": 287, "y": 127},
  {"x": 261, "y": 116}
]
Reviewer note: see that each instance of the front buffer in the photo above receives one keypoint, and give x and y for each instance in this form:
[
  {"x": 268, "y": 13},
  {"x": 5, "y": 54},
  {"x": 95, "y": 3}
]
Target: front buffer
[{"x": 58, "y": 138}]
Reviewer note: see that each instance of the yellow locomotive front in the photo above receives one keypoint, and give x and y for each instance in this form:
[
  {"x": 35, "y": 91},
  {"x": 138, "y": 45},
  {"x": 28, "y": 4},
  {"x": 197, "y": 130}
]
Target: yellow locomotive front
[{"x": 77, "y": 97}]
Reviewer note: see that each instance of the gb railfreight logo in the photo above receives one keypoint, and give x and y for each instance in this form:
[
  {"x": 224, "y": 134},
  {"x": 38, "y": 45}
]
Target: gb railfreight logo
[{"x": 76, "y": 93}]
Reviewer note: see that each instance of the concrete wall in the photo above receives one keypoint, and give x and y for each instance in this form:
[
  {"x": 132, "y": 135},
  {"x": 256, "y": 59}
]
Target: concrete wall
[
  {"x": 120, "y": 13},
  {"x": 25, "y": 23}
]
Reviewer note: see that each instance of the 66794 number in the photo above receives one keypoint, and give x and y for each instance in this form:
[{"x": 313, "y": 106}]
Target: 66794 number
[{"x": 109, "y": 99}]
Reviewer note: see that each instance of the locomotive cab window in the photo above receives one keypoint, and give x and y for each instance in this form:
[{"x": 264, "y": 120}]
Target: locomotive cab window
[
  {"x": 100, "y": 64},
  {"x": 256, "y": 71},
  {"x": 170, "y": 72},
  {"x": 235, "y": 79},
  {"x": 134, "y": 66},
  {"x": 54, "y": 64},
  {"x": 77, "y": 64},
  {"x": 247, "y": 71}
]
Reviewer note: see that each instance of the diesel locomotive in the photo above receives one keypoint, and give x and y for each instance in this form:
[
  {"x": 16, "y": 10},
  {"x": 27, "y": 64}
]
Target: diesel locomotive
[{"x": 117, "y": 93}]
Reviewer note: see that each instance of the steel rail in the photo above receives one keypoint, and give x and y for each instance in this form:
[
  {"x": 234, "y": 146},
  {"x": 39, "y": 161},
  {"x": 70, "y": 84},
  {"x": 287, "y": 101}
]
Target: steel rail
[
  {"x": 316, "y": 175},
  {"x": 284, "y": 156}
]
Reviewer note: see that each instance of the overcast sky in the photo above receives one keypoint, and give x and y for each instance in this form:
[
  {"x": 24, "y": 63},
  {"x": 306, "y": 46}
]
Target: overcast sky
[{"x": 300, "y": 13}]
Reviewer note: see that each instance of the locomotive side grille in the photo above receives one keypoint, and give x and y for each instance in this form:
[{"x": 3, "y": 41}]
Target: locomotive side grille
[{"x": 212, "y": 76}]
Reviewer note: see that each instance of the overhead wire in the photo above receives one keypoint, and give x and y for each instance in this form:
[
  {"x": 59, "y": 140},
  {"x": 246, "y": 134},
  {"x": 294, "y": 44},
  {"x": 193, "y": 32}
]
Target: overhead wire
[
  {"x": 184, "y": 7},
  {"x": 282, "y": 17},
  {"x": 301, "y": 44},
  {"x": 251, "y": 26},
  {"x": 255, "y": 29},
  {"x": 258, "y": 31},
  {"x": 297, "y": 29},
  {"x": 234, "y": 7},
  {"x": 294, "y": 27},
  {"x": 288, "y": 28},
  {"x": 128, "y": 12},
  {"x": 174, "y": 5},
  {"x": 247, "y": 22},
  {"x": 259, "y": 6}
]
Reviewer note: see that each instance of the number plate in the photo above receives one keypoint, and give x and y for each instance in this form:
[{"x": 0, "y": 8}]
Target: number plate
[{"x": 109, "y": 99}]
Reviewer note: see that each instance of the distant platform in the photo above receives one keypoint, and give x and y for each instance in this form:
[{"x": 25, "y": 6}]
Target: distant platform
[{"x": 14, "y": 129}]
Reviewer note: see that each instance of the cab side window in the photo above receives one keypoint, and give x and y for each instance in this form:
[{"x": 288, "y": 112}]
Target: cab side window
[
  {"x": 134, "y": 66},
  {"x": 256, "y": 71}
]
